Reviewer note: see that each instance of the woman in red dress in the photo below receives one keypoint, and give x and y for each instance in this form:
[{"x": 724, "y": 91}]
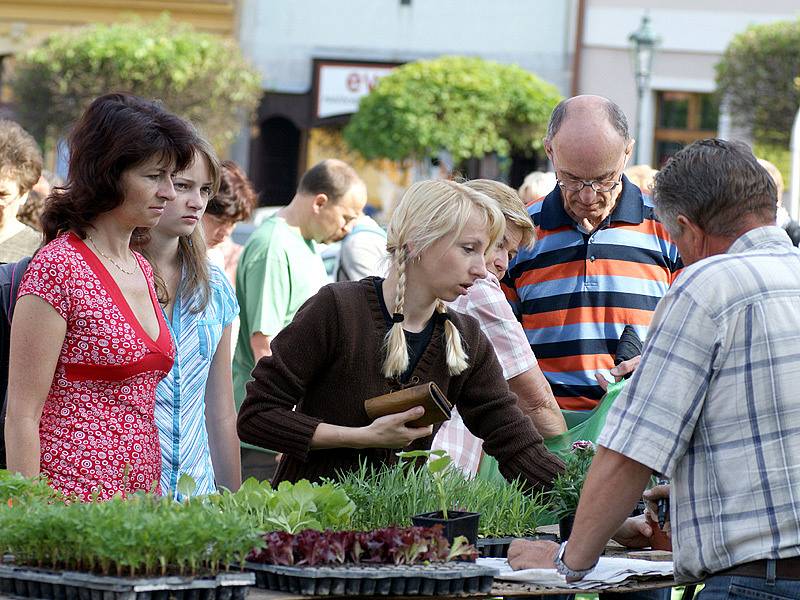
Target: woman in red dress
[{"x": 89, "y": 343}]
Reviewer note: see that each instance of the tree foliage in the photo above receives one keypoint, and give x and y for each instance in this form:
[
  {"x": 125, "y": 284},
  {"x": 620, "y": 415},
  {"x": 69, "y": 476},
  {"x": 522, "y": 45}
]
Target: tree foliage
[
  {"x": 467, "y": 106},
  {"x": 759, "y": 75},
  {"x": 199, "y": 76}
]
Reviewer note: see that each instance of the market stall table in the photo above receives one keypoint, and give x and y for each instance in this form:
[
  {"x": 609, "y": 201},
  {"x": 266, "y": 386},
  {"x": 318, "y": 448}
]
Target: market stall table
[{"x": 512, "y": 589}]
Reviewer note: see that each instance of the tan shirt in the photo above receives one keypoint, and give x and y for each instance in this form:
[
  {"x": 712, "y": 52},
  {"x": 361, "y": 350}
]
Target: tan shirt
[{"x": 20, "y": 245}]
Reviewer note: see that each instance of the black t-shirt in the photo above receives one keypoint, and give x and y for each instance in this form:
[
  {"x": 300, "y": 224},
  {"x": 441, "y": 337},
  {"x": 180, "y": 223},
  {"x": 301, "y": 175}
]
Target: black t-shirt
[{"x": 416, "y": 342}]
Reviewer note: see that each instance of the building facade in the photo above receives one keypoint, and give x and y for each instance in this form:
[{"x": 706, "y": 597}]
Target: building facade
[
  {"x": 680, "y": 106},
  {"x": 317, "y": 58}
]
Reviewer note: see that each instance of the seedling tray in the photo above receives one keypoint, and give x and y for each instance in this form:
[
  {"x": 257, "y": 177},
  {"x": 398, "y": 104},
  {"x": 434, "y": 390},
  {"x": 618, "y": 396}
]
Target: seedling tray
[
  {"x": 454, "y": 578},
  {"x": 498, "y": 547},
  {"x": 70, "y": 585}
]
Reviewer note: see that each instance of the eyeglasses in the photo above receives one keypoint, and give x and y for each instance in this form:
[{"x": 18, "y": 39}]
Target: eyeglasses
[
  {"x": 599, "y": 187},
  {"x": 576, "y": 185}
]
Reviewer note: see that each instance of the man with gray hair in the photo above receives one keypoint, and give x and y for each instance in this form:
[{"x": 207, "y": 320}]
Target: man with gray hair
[
  {"x": 713, "y": 403},
  {"x": 602, "y": 260}
]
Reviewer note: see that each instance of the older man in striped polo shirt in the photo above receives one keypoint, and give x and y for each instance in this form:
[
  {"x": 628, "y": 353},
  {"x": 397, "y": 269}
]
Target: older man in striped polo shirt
[
  {"x": 602, "y": 259},
  {"x": 713, "y": 404}
]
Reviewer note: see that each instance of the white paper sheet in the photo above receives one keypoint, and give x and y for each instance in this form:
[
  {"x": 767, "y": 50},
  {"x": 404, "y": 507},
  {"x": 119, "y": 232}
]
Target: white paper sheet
[{"x": 610, "y": 570}]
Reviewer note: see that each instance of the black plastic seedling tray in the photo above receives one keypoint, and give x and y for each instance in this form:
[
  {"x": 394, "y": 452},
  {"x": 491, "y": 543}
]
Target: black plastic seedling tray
[
  {"x": 70, "y": 585},
  {"x": 454, "y": 578},
  {"x": 498, "y": 547}
]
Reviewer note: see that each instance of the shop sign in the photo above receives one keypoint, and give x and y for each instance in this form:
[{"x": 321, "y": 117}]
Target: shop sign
[{"x": 341, "y": 86}]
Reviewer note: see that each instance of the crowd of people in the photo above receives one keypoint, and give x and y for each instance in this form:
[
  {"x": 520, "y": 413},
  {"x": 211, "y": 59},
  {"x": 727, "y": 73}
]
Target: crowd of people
[{"x": 140, "y": 343}]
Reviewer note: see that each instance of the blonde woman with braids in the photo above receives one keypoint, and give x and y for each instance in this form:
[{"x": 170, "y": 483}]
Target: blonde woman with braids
[
  {"x": 356, "y": 340},
  {"x": 194, "y": 410}
]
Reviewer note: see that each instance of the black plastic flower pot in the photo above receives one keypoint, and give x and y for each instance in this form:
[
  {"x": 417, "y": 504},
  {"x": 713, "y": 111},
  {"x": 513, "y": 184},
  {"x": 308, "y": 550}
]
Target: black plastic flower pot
[
  {"x": 497, "y": 547},
  {"x": 565, "y": 527},
  {"x": 457, "y": 523}
]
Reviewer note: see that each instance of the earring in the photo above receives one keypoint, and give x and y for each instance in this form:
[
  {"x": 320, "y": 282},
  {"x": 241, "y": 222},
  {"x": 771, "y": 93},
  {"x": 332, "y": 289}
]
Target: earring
[{"x": 189, "y": 240}]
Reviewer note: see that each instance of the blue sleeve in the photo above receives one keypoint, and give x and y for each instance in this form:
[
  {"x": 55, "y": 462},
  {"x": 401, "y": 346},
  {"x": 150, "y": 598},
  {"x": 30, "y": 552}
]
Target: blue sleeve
[{"x": 225, "y": 296}]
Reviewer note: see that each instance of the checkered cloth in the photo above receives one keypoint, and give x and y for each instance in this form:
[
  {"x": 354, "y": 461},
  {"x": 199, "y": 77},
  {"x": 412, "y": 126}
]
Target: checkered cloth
[
  {"x": 714, "y": 405},
  {"x": 487, "y": 303}
]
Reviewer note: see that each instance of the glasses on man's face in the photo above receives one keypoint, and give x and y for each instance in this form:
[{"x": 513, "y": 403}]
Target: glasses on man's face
[{"x": 600, "y": 187}]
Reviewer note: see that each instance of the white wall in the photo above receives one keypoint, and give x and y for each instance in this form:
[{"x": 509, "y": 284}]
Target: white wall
[{"x": 281, "y": 36}]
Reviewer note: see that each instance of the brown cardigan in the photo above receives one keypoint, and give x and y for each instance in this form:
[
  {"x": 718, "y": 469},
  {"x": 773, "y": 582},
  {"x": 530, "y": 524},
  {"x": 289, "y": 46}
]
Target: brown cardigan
[{"x": 328, "y": 361}]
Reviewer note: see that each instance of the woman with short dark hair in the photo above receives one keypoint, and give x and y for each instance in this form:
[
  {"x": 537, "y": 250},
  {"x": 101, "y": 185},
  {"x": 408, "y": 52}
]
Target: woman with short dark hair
[
  {"x": 89, "y": 342},
  {"x": 233, "y": 203}
]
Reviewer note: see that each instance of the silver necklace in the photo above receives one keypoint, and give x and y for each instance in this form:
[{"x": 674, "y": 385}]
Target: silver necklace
[{"x": 109, "y": 259}]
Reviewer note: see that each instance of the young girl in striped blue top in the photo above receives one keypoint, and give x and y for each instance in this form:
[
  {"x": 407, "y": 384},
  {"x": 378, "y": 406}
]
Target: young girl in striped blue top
[{"x": 195, "y": 412}]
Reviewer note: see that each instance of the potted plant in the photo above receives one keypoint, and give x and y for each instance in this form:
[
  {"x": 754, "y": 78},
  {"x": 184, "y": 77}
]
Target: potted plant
[
  {"x": 454, "y": 522},
  {"x": 566, "y": 491}
]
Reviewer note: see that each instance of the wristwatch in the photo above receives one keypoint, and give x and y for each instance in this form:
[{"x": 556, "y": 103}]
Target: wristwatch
[{"x": 564, "y": 569}]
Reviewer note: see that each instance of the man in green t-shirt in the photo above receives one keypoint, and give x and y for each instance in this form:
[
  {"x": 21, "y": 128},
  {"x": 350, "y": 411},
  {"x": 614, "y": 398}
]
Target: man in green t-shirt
[{"x": 279, "y": 268}]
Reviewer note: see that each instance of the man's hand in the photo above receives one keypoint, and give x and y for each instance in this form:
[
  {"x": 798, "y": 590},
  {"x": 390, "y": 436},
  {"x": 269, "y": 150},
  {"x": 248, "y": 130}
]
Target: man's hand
[
  {"x": 651, "y": 498},
  {"x": 634, "y": 533},
  {"x": 525, "y": 554},
  {"x": 622, "y": 369}
]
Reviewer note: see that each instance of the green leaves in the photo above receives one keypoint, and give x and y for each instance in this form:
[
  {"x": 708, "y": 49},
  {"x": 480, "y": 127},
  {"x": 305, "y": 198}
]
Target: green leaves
[
  {"x": 299, "y": 506},
  {"x": 757, "y": 75},
  {"x": 436, "y": 467},
  {"x": 467, "y": 106},
  {"x": 566, "y": 490},
  {"x": 291, "y": 507},
  {"x": 141, "y": 534},
  {"x": 186, "y": 485},
  {"x": 197, "y": 75},
  {"x": 15, "y": 488},
  {"x": 150, "y": 535}
]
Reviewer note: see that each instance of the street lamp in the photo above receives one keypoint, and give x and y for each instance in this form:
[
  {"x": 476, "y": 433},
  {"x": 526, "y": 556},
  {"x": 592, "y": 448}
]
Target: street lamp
[{"x": 643, "y": 43}]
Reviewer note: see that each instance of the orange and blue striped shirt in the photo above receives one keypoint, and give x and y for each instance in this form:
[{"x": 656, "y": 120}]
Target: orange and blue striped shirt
[{"x": 575, "y": 291}]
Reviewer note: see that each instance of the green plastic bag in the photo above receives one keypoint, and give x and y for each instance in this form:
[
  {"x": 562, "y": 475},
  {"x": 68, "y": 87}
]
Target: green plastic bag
[{"x": 588, "y": 427}]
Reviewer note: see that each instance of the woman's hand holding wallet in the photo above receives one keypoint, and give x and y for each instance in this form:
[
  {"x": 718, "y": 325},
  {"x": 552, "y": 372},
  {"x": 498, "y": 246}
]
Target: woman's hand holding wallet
[
  {"x": 396, "y": 431},
  {"x": 427, "y": 395},
  {"x": 390, "y": 431},
  {"x": 401, "y": 417},
  {"x": 398, "y": 418}
]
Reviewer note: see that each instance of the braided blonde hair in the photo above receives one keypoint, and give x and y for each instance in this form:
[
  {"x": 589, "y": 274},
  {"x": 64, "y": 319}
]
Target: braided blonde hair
[{"x": 430, "y": 211}]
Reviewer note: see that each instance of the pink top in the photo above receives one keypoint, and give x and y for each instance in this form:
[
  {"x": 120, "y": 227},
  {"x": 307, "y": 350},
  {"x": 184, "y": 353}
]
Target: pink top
[
  {"x": 98, "y": 431},
  {"x": 487, "y": 303}
]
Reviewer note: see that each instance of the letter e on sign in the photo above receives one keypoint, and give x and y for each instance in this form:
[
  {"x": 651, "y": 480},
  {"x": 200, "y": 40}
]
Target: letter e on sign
[{"x": 354, "y": 82}]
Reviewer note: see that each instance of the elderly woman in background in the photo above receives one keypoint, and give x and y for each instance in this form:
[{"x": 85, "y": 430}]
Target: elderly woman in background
[
  {"x": 537, "y": 185},
  {"x": 486, "y": 302}
]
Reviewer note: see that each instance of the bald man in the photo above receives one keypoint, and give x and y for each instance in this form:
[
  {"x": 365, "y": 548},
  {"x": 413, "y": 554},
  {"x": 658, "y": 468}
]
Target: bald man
[{"x": 602, "y": 259}]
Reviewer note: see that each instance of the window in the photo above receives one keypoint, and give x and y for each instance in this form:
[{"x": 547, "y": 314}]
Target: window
[{"x": 681, "y": 118}]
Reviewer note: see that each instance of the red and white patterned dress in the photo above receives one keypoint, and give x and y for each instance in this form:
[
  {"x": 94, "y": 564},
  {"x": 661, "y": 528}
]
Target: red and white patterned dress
[{"x": 98, "y": 431}]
